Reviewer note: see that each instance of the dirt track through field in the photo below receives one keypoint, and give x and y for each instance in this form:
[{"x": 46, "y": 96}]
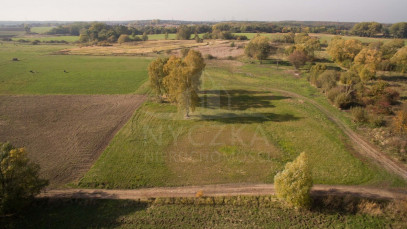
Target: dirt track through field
[
  {"x": 359, "y": 144},
  {"x": 65, "y": 134},
  {"x": 219, "y": 190}
]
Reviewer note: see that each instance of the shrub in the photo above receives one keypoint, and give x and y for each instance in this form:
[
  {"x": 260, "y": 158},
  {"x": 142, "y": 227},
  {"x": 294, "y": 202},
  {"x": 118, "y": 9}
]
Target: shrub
[
  {"x": 19, "y": 179},
  {"x": 377, "y": 121},
  {"x": 327, "y": 80},
  {"x": 298, "y": 58},
  {"x": 333, "y": 93},
  {"x": 343, "y": 101},
  {"x": 359, "y": 114},
  {"x": 184, "y": 52},
  {"x": 242, "y": 38},
  {"x": 36, "y": 42},
  {"x": 209, "y": 57},
  {"x": 232, "y": 44},
  {"x": 123, "y": 38},
  {"x": 294, "y": 183}
]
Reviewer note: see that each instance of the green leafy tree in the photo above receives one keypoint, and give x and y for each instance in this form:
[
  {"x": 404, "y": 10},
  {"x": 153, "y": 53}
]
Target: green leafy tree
[
  {"x": 294, "y": 183},
  {"x": 400, "y": 59},
  {"x": 144, "y": 37},
  {"x": 367, "y": 29},
  {"x": 19, "y": 179},
  {"x": 184, "y": 32},
  {"x": 391, "y": 47},
  {"x": 259, "y": 48},
  {"x": 399, "y": 30}
]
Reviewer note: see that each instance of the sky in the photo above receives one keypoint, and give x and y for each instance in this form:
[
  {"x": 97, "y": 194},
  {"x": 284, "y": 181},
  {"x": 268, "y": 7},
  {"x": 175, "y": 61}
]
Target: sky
[{"x": 385, "y": 11}]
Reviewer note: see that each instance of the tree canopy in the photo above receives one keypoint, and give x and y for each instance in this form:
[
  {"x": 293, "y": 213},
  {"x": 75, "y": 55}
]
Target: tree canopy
[
  {"x": 178, "y": 79},
  {"x": 19, "y": 179},
  {"x": 294, "y": 183},
  {"x": 259, "y": 48}
]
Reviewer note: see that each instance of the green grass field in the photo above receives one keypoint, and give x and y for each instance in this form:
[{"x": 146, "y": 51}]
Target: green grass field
[
  {"x": 219, "y": 212},
  {"x": 43, "y": 29},
  {"x": 5, "y": 33},
  {"x": 43, "y": 38},
  {"x": 242, "y": 133},
  {"x": 85, "y": 74}
]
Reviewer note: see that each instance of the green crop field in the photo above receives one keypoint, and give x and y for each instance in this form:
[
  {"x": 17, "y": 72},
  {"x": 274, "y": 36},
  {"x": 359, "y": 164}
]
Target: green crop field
[
  {"x": 171, "y": 36},
  {"x": 219, "y": 212},
  {"x": 243, "y": 132},
  {"x": 40, "y": 72},
  {"x": 43, "y": 29}
]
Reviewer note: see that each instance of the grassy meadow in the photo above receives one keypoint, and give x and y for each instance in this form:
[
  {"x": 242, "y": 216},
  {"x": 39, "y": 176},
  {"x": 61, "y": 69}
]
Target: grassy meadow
[
  {"x": 41, "y": 29},
  {"x": 43, "y": 38},
  {"x": 38, "y": 71},
  {"x": 242, "y": 132}
]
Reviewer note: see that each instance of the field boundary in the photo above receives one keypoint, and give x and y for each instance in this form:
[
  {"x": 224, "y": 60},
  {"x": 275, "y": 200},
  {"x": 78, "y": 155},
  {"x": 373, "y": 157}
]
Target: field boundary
[{"x": 218, "y": 190}]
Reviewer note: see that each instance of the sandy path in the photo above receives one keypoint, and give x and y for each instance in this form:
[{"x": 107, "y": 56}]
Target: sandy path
[{"x": 220, "y": 190}]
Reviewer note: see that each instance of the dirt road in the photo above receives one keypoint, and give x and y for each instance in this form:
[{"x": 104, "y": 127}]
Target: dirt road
[{"x": 219, "y": 190}]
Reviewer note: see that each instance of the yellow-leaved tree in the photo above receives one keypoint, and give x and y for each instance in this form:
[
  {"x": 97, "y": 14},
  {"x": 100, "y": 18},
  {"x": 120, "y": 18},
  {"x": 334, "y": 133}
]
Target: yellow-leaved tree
[
  {"x": 19, "y": 179},
  {"x": 294, "y": 183},
  {"x": 183, "y": 80},
  {"x": 156, "y": 75}
]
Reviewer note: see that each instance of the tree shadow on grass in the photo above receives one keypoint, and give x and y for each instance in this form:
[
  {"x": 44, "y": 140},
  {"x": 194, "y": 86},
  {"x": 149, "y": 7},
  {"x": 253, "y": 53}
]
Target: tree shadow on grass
[
  {"x": 74, "y": 213},
  {"x": 394, "y": 78},
  {"x": 231, "y": 118},
  {"x": 237, "y": 99}
]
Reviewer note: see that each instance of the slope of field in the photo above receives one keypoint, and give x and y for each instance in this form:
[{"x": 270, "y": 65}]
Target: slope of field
[
  {"x": 242, "y": 132},
  {"x": 40, "y": 72},
  {"x": 64, "y": 134}
]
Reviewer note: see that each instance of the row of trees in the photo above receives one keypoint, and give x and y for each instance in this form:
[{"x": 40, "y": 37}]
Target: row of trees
[
  {"x": 365, "y": 29},
  {"x": 374, "y": 29},
  {"x": 178, "y": 79}
]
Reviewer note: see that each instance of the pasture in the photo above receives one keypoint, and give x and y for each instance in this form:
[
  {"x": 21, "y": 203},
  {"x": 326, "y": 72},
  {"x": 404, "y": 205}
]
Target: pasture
[
  {"x": 242, "y": 132},
  {"x": 39, "y": 71},
  {"x": 41, "y": 29},
  {"x": 45, "y": 38}
]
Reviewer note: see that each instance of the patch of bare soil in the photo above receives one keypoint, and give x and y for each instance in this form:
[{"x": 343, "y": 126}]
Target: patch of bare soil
[
  {"x": 65, "y": 134},
  {"x": 222, "y": 49}
]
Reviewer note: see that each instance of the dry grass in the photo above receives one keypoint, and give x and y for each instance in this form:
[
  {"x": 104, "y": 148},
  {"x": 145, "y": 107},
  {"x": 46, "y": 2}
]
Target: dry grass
[{"x": 135, "y": 48}]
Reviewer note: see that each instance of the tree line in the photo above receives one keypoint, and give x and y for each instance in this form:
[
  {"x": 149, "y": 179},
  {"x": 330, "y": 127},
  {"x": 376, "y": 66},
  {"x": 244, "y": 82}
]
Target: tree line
[{"x": 364, "y": 29}]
